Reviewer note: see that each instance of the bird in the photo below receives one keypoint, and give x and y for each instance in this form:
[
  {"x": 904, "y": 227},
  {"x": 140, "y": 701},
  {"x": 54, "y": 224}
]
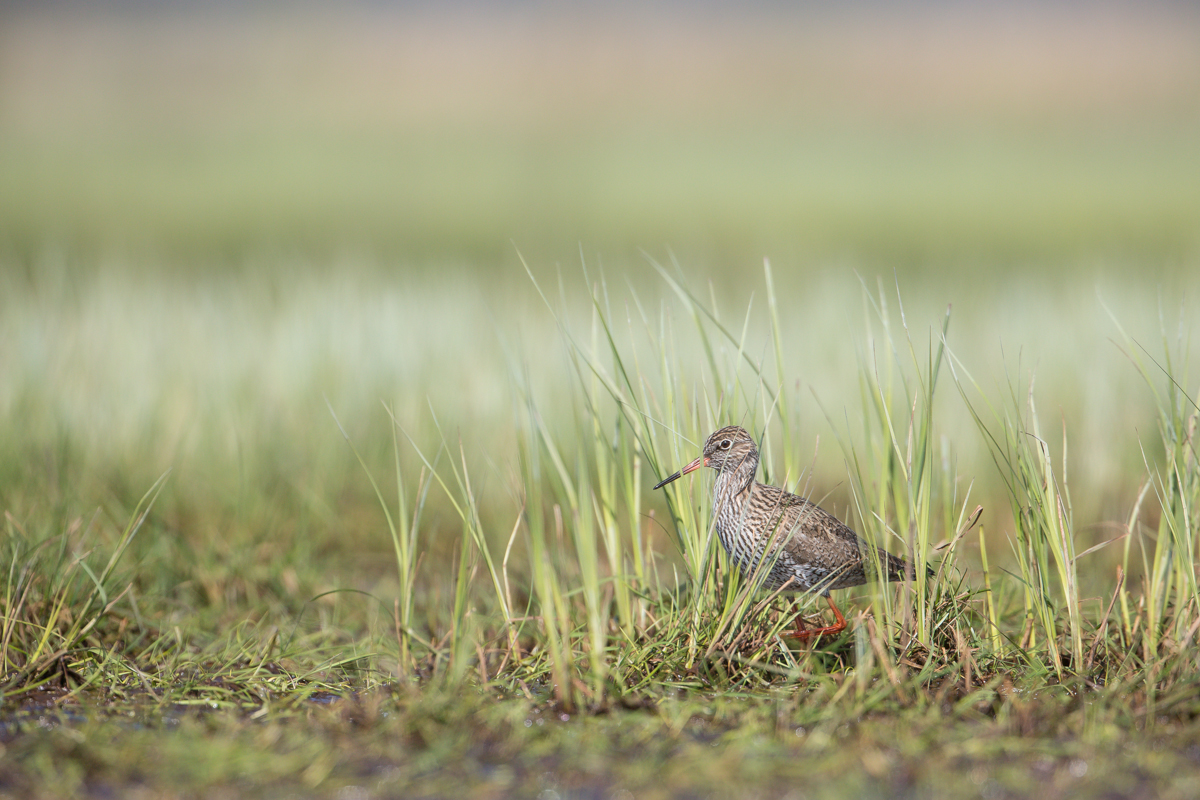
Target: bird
[{"x": 783, "y": 540}]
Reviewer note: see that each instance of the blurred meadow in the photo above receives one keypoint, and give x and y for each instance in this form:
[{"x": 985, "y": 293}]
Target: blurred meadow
[{"x": 524, "y": 258}]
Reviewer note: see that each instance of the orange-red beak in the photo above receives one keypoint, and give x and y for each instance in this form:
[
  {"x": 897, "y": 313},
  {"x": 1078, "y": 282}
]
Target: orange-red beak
[{"x": 692, "y": 467}]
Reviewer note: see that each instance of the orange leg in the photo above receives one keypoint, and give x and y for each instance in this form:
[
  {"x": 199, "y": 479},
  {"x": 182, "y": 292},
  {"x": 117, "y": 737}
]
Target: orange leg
[{"x": 802, "y": 632}]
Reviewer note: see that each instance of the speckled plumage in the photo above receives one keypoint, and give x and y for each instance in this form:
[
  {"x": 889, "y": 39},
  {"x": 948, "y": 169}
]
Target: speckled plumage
[{"x": 803, "y": 543}]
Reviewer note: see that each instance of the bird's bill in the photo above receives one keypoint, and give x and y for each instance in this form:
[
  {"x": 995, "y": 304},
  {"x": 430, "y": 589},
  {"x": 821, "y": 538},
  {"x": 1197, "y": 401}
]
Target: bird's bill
[{"x": 692, "y": 467}]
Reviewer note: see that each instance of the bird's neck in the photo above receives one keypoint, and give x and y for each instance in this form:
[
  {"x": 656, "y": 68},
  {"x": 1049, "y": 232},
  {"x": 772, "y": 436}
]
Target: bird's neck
[{"x": 732, "y": 483}]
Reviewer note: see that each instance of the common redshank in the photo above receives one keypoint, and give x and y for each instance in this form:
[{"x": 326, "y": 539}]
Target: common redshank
[{"x": 806, "y": 548}]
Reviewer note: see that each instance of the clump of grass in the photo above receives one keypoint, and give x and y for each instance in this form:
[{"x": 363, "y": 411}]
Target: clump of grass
[
  {"x": 895, "y": 472},
  {"x": 54, "y": 599},
  {"x": 72, "y": 629},
  {"x": 1162, "y": 624},
  {"x": 608, "y": 617},
  {"x": 1044, "y": 536}
]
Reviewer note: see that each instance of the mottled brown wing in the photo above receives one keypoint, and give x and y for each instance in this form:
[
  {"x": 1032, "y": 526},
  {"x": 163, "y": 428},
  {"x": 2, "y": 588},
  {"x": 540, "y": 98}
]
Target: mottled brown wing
[
  {"x": 822, "y": 540},
  {"x": 810, "y": 536}
]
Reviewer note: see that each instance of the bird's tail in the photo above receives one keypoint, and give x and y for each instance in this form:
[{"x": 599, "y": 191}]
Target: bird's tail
[{"x": 897, "y": 568}]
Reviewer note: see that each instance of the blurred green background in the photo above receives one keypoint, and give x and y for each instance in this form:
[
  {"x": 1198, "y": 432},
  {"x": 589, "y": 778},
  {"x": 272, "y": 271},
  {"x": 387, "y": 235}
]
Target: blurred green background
[
  {"x": 213, "y": 221},
  {"x": 907, "y": 135}
]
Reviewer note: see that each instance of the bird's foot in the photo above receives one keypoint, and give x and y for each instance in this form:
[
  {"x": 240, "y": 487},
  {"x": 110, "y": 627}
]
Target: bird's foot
[{"x": 804, "y": 633}]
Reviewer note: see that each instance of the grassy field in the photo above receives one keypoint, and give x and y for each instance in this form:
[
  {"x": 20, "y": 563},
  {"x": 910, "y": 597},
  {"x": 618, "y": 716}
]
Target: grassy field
[{"x": 338, "y": 356}]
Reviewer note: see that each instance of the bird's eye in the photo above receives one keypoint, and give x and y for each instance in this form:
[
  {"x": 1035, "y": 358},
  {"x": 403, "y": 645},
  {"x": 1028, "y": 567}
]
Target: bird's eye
[{"x": 726, "y": 444}]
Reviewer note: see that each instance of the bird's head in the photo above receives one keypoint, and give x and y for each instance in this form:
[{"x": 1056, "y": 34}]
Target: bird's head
[{"x": 726, "y": 450}]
